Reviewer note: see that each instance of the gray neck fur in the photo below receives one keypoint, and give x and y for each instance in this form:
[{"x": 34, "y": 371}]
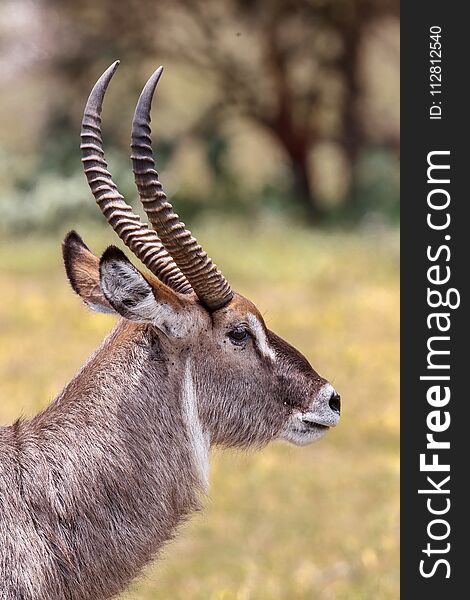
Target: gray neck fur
[{"x": 92, "y": 487}]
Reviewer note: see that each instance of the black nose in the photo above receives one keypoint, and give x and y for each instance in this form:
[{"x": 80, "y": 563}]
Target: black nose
[{"x": 335, "y": 402}]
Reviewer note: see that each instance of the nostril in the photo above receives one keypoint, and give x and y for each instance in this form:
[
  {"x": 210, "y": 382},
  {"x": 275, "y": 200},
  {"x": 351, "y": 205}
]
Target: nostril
[{"x": 335, "y": 402}]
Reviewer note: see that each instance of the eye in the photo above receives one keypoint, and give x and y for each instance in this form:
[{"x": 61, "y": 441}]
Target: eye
[{"x": 238, "y": 335}]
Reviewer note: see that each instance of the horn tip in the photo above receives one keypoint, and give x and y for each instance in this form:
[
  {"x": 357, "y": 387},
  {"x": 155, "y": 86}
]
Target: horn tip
[
  {"x": 145, "y": 100},
  {"x": 99, "y": 89},
  {"x": 114, "y": 66},
  {"x": 155, "y": 78}
]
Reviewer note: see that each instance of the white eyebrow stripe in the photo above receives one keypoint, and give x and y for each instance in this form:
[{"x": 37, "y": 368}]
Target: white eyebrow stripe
[{"x": 261, "y": 338}]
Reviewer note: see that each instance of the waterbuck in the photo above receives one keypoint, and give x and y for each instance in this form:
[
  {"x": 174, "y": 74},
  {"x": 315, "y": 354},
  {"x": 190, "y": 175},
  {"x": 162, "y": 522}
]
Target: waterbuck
[{"x": 93, "y": 486}]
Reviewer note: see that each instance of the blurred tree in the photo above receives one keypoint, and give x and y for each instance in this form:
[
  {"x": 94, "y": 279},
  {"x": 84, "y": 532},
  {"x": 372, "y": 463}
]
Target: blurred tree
[
  {"x": 350, "y": 19},
  {"x": 292, "y": 66}
]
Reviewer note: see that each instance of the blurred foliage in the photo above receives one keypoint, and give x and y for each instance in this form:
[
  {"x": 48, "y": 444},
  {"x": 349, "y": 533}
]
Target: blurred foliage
[
  {"x": 267, "y": 104},
  {"x": 318, "y": 522}
]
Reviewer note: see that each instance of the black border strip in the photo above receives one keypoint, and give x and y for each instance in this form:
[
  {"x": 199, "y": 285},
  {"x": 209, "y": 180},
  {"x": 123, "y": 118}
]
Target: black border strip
[{"x": 421, "y": 135}]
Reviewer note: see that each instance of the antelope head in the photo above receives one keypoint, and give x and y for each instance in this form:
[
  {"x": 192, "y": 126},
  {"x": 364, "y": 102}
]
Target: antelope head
[{"x": 245, "y": 385}]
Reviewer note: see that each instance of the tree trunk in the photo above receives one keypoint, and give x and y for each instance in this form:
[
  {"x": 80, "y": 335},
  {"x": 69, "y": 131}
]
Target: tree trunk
[
  {"x": 302, "y": 188},
  {"x": 352, "y": 131},
  {"x": 296, "y": 140}
]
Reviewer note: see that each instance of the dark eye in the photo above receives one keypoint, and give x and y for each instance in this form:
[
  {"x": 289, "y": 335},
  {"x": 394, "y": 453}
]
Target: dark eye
[{"x": 238, "y": 335}]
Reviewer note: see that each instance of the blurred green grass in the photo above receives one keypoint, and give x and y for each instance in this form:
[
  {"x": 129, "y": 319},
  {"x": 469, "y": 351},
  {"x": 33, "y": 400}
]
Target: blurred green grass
[{"x": 319, "y": 522}]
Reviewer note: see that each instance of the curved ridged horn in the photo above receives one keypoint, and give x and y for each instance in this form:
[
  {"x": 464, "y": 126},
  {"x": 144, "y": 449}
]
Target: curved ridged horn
[
  {"x": 206, "y": 280},
  {"x": 142, "y": 240}
]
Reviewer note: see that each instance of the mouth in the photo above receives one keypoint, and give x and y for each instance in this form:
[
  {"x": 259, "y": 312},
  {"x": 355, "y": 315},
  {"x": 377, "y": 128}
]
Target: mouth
[
  {"x": 302, "y": 432},
  {"x": 310, "y": 420}
]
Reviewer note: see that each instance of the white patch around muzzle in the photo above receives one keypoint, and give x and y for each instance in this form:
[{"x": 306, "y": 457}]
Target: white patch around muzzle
[
  {"x": 309, "y": 426},
  {"x": 321, "y": 412}
]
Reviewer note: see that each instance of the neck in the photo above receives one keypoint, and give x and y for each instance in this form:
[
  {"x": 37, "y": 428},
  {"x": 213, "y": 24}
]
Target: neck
[{"x": 100, "y": 480}]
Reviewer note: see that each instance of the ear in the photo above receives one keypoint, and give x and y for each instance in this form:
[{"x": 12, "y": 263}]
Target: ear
[
  {"x": 138, "y": 297},
  {"x": 82, "y": 268}
]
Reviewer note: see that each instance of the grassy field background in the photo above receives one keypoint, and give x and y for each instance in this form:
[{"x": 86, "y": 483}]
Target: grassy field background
[{"x": 319, "y": 522}]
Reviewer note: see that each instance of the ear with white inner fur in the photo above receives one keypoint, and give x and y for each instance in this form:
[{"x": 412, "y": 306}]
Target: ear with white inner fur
[
  {"x": 82, "y": 268},
  {"x": 133, "y": 296}
]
